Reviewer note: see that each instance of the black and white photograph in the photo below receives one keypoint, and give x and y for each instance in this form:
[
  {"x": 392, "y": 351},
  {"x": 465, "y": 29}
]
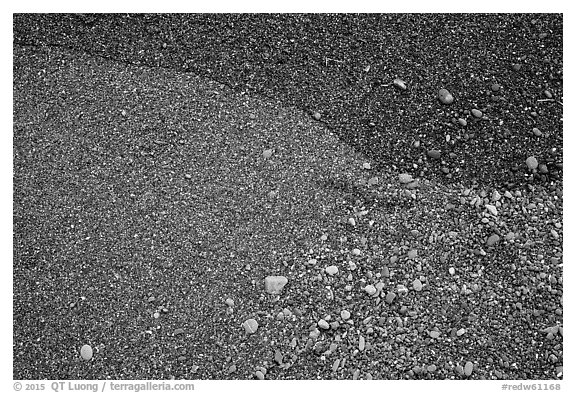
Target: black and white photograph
[{"x": 287, "y": 196}]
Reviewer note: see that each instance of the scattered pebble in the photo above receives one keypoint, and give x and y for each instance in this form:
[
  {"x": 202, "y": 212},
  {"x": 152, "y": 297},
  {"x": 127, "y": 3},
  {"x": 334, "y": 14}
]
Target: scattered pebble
[
  {"x": 452, "y": 271},
  {"x": 361, "y": 343},
  {"x": 178, "y": 331},
  {"x": 445, "y": 97},
  {"x": 468, "y": 368},
  {"x": 462, "y": 122},
  {"x": 434, "y": 334},
  {"x": 370, "y": 290},
  {"x": 495, "y": 87},
  {"x": 250, "y": 326},
  {"x": 275, "y": 284},
  {"x": 86, "y": 352},
  {"x": 323, "y": 238},
  {"x": 230, "y": 302},
  {"x": 417, "y": 285},
  {"x": 322, "y": 324},
  {"x": 332, "y": 270},
  {"x": 492, "y": 209},
  {"x": 460, "y": 332},
  {"x": 267, "y": 153},
  {"x": 356, "y": 252},
  {"x": 477, "y": 113},
  {"x": 492, "y": 240},
  {"x": 316, "y": 116},
  {"x": 399, "y": 83},
  {"x": 345, "y": 314},
  {"x": 532, "y": 162},
  {"x": 390, "y": 296},
  {"x": 536, "y": 132},
  {"x": 366, "y": 165},
  {"x": 260, "y": 375},
  {"x": 412, "y": 254}
]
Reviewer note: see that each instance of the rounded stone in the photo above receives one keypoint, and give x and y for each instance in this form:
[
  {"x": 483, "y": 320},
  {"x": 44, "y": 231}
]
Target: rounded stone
[
  {"x": 532, "y": 162},
  {"x": 345, "y": 314},
  {"x": 445, "y": 97},
  {"x": 86, "y": 352},
  {"x": 492, "y": 240},
  {"x": 468, "y": 368},
  {"x": 267, "y": 153},
  {"x": 370, "y": 290},
  {"x": 400, "y": 84},
  {"x": 476, "y": 113},
  {"x": 316, "y": 116},
  {"x": 322, "y": 324},
  {"x": 275, "y": 284},
  {"x": 250, "y": 326},
  {"x": 417, "y": 285},
  {"x": 332, "y": 270},
  {"x": 230, "y": 302},
  {"x": 434, "y": 154},
  {"x": 260, "y": 375},
  {"x": 405, "y": 178}
]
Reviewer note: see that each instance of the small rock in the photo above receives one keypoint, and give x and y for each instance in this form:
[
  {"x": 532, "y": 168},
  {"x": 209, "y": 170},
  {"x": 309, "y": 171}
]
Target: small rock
[
  {"x": 356, "y": 252},
  {"x": 275, "y": 284},
  {"x": 532, "y": 162},
  {"x": 335, "y": 365},
  {"x": 230, "y": 302},
  {"x": 322, "y": 324},
  {"x": 332, "y": 270},
  {"x": 267, "y": 153},
  {"x": 385, "y": 272},
  {"x": 390, "y": 296},
  {"x": 324, "y": 238},
  {"x": 495, "y": 87},
  {"x": 431, "y": 368},
  {"x": 316, "y": 116},
  {"x": 516, "y": 67},
  {"x": 188, "y": 176},
  {"x": 373, "y": 181},
  {"x": 156, "y": 315},
  {"x": 370, "y": 290},
  {"x": 496, "y": 196},
  {"x": 434, "y": 154},
  {"x": 250, "y": 326},
  {"x": 412, "y": 254},
  {"x": 86, "y": 352},
  {"x": 445, "y": 97},
  {"x": 361, "y": 343},
  {"x": 417, "y": 285},
  {"x": 405, "y": 178},
  {"x": 345, "y": 314},
  {"x": 536, "y": 131},
  {"x": 493, "y": 239},
  {"x": 178, "y": 331},
  {"x": 452, "y": 271},
  {"x": 476, "y": 113},
  {"x": 468, "y": 368},
  {"x": 547, "y": 94},
  {"x": 492, "y": 209},
  {"x": 278, "y": 357},
  {"x": 460, "y": 332},
  {"x": 462, "y": 122},
  {"x": 352, "y": 221},
  {"x": 260, "y": 375},
  {"x": 434, "y": 334},
  {"x": 399, "y": 83},
  {"x": 366, "y": 165},
  {"x": 232, "y": 369}
]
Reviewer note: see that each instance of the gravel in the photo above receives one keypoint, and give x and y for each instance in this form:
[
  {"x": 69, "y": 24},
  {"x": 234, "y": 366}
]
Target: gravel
[{"x": 198, "y": 158}]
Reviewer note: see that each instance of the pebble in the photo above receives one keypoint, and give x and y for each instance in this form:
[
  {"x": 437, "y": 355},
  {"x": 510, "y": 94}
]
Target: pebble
[
  {"x": 335, "y": 365},
  {"x": 250, "y": 326},
  {"x": 434, "y": 154},
  {"x": 405, "y": 178},
  {"x": 536, "y": 131},
  {"x": 445, "y": 97},
  {"x": 496, "y": 196},
  {"x": 356, "y": 252},
  {"x": 345, "y": 314},
  {"x": 390, "y": 296},
  {"x": 188, "y": 176},
  {"x": 468, "y": 368},
  {"x": 332, "y": 270},
  {"x": 493, "y": 239},
  {"x": 156, "y": 315},
  {"x": 370, "y": 290},
  {"x": 412, "y": 254},
  {"x": 434, "y": 334},
  {"x": 230, "y": 302},
  {"x": 495, "y": 87},
  {"x": 324, "y": 238},
  {"x": 547, "y": 94},
  {"x": 232, "y": 369},
  {"x": 352, "y": 221},
  {"x": 463, "y": 122},
  {"x": 278, "y": 357},
  {"x": 532, "y": 162},
  {"x": 399, "y": 83},
  {"x": 178, "y": 331},
  {"x": 323, "y": 324},
  {"x": 260, "y": 375},
  {"x": 267, "y": 153},
  {"x": 476, "y": 113},
  {"x": 452, "y": 271},
  {"x": 316, "y": 116},
  {"x": 516, "y": 67},
  {"x": 86, "y": 352},
  {"x": 361, "y": 343},
  {"x": 373, "y": 181},
  {"x": 275, "y": 284},
  {"x": 417, "y": 285},
  {"x": 385, "y": 272},
  {"x": 366, "y": 165},
  {"x": 492, "y": 209},
  {"x": 460, "y": 332}
]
